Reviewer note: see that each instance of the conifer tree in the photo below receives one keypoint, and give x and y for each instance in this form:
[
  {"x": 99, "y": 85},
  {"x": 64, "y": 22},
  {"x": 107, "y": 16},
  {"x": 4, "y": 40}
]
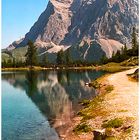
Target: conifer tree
[
  {"x": 135, "y": 45},
  {"x": 45, "y": 60},
  {"x": 68, "y": 57},
  {"x": 60, "y": 57},
  {"x": 134, "y": 39},
  {"x": 31, "y": 55}
]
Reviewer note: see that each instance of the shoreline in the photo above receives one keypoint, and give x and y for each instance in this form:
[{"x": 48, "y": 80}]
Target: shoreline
[
  {"x": 41, "y": 68},
  {"x": 112, "y": 68},
  {"x": 119, "y": 103},
  {"x": 107, "y": 107}
]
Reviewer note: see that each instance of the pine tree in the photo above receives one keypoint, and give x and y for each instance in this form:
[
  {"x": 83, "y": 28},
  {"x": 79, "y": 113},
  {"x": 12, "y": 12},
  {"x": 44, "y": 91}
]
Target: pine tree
[
  {"x": 31, "y": 55},
  {"x": 68, "y": 57},
  {"x": 4, "y": 63},
  {"x": 113, "y": 54},
  {"x": 104, "y": 60},
  {"x": 9, "y": 63},
  {"x": 60, "y": 57},
  {"x": 135, "y": 44},
  {"x": 118, "y": 56},
  {"x": 14, "y": 62},
  {"x": 45, "y": 60},
  {"x": 124, "y": 53},
  {"x": 134, "y": 39},
  {"x": 125, "y": 49}
]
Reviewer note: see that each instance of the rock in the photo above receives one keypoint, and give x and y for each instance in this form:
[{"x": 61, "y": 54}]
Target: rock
[
  {"x": 91, "y": 28},
  {"x": 99, "y": 134},
  {"x": 86, "y": 84}
]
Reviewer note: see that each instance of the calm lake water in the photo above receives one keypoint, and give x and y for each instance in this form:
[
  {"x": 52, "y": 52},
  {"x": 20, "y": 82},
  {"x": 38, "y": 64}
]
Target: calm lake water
[{"x": 41, "y": 105}]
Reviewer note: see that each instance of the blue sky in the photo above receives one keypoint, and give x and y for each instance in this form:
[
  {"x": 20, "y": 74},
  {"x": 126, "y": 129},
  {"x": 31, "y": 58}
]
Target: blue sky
[{"x": 18, "y": 16}]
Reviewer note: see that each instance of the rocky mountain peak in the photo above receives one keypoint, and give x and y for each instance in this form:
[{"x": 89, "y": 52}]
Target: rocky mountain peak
[{"x": 106, "y": 23}]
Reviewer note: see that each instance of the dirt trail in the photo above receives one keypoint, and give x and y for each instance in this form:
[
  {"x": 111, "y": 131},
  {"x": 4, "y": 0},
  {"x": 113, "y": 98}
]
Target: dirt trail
[
  {"x": 126, "y": 93},
  {"x": 121, "y": 102}
]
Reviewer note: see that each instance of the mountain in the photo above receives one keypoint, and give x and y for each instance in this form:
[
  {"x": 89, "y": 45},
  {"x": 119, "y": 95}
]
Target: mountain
[{"x": 90, "y": 28}]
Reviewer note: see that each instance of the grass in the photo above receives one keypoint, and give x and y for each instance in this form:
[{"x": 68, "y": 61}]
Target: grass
[
  {"x": 24, "y": 68},
  {"x": 123, "y": 110},
  {"x": 133, "y": 61},
  {"x": 85, "y": 102},
  {"x": 82, "y": 128},
  {"x": 94, "y": 84},
  {"x": 109, "y": 88},
  {"x": 117, "y": 67},
  {"x": 109, "y": 67},
  {"x": 15, "y": 69},
  {"x": 113, "y": 67},
  {"x": 114, "y": 123},
  {"x": 129, "y": 130},
  {"x": 109, "y": 131},
  {"x": 111, "y": 138},
  {"x": 92, "y": 109},
  {"x": 85, "y": 114}
]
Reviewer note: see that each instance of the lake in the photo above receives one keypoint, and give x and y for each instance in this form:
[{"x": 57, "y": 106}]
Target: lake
[{"x": 40, "y": 105}]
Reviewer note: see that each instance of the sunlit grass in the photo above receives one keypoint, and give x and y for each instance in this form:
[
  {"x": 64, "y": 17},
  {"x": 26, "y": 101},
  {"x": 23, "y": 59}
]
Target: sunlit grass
[
  {"x": 114, "y": 123},
  {"x": 114, "y": 67},
  {"x": 82, "y": 128}
]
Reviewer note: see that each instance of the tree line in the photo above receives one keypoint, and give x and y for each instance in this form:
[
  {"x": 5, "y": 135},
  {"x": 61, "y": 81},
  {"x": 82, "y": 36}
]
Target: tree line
[
  {"x": 65, "y": 59},
  {"x": 124, "y": 53}
]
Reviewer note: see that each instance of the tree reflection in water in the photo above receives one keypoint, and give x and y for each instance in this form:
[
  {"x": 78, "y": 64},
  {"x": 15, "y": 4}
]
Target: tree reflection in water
[
  {"x": 55, "y": 93},
  {"x": 31, "y": 82}
]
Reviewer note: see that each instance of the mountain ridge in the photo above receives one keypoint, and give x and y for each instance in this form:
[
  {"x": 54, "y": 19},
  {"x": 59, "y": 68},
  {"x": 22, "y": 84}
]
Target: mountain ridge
[{"x": 105, "y": 23}]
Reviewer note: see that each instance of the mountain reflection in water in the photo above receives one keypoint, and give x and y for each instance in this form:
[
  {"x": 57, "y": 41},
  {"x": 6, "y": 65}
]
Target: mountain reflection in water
[{"x": 55, "y": 93}]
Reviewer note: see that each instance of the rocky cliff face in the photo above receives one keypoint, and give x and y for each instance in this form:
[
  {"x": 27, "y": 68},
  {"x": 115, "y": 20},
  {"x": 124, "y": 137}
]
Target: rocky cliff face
[{"x": 101, "y": 26}]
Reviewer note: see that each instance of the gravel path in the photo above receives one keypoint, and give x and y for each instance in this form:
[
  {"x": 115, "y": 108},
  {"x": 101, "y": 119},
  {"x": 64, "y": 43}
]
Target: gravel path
[{"x": 123, "y": 100}]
